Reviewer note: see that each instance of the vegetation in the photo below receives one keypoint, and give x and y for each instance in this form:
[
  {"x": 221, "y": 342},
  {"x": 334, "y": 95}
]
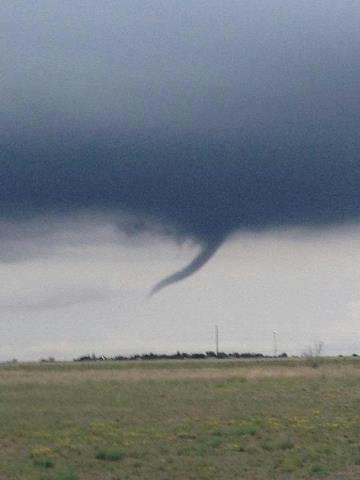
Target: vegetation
[
  {"x": 109, "y": 454},
  {"x": 312, "y": 354},
  {"x": 230, "y": 419},
  {"x": 174, "y": 356}
]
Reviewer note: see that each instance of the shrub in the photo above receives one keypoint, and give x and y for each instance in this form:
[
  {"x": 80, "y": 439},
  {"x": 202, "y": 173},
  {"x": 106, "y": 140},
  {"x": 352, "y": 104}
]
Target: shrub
[
  {"x": 285, "y": 444},
  {"x": 44, "y": 462},
  {"x": 312, "y": 354},
  {"x": 42, "y": 457},
  {"x": 109, "y": 454}
]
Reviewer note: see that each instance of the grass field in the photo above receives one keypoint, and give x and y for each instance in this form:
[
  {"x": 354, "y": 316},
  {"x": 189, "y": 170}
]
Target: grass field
[{"x": 278, "y": 419}]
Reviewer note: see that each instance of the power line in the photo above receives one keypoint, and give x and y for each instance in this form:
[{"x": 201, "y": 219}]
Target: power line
[{"x": 275, "y": 347}]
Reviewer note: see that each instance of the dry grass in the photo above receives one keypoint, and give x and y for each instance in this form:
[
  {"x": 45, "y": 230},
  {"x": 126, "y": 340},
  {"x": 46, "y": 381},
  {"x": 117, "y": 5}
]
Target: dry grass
[{"x": 247, "y": 372}]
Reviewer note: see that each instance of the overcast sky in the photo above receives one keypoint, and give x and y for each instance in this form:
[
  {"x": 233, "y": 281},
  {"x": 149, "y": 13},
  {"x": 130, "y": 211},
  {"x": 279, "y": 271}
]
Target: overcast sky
[{"x": 137, "y": 136}]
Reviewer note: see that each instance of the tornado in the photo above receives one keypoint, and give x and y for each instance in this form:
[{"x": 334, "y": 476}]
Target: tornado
[{"x": 206, "y": 253}]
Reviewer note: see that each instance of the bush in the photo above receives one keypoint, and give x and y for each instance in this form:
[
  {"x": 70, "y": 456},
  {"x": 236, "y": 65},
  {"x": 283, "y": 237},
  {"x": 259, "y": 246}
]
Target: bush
[
  {"x": 43, "y": 462},
  {"x": 312, "y": 354},
  {"x": 42, "y": 457},
  {"x": 109, "y": 454}
]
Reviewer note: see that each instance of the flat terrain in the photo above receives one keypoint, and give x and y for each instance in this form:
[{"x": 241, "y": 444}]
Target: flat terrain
[{"x": 280, "y": 419}]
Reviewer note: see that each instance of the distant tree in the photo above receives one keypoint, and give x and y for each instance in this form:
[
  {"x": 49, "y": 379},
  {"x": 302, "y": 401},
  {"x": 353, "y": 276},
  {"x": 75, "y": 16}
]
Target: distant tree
[
  {"x": 312, "y": 354},
  {"x": 211, "y": 354}
]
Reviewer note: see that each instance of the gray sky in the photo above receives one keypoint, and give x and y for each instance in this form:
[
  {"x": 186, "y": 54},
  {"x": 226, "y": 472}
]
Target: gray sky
[
  {"x": 86, "y": 290},
  {"x": 136, "y": 135}
]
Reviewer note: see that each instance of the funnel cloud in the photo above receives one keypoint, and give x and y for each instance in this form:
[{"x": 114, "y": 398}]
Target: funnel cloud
[
  {"x": 201, "y": 119},
  {"x": 198, "y": 262}
]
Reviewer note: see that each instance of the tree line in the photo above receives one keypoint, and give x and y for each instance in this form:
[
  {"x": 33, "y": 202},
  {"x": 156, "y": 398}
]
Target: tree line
[{"x": 175, "y": 356}]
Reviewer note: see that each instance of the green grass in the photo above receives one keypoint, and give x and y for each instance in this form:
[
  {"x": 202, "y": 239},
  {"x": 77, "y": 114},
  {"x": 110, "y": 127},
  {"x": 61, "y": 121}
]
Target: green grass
[{"x": 255, "y": 420}]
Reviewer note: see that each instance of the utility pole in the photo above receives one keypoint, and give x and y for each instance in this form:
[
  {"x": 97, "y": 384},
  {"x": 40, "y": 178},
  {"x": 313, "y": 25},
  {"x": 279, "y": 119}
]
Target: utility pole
[
  {"x": 217, "y": 340},
  {"x": 275, "y": 347}
]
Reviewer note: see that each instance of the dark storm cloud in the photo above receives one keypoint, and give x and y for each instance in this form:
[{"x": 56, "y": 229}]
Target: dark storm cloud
[{"x": 202, "y": 117}]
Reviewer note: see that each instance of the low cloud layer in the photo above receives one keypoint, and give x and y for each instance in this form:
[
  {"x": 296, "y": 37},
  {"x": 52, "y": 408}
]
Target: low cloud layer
[
  {"x": 61, "y": 298},
  {"x": 201, "y": 119}
]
